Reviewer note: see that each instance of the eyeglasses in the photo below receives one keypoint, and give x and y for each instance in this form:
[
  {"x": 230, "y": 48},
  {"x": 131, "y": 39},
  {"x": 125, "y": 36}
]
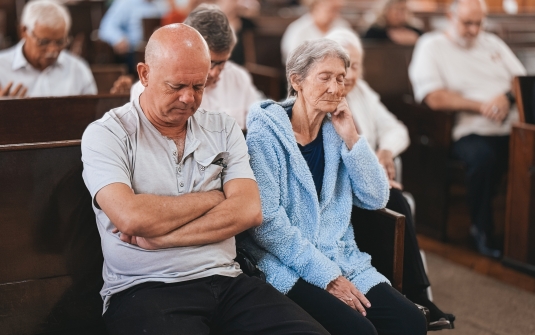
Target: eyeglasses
[
  {"x": 44, "y": 42},
  {"x": 220, "y": 65}
]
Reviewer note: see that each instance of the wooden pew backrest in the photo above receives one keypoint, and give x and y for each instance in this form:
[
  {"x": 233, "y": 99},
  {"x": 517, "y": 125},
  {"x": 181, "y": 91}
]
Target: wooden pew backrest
[
  {"x": 106, "y": 74},
  {"x": 50, "y": 254},
  {"x": 52, "y": 119},
  {"x": 381, "y": 234},
  {"x": 524, "y": 89}
]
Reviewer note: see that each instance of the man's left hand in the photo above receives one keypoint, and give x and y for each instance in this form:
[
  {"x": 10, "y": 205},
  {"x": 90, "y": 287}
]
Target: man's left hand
[
  {"x": 496, "y": 109},
  {"x": 387, "y": 161},
  {"x": 142, "y": 242}
]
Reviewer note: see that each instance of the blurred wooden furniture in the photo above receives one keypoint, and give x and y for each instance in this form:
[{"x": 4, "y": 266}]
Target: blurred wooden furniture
[
  {"x": 381, "y": 234},
  {"x": 52, "y": 119},
  {"x": 106, "y": 74},
  {"x": 524, "y": 88},
  {"x": 50, "y": 254},
  {"x": 427, "y": 163},
  {"x": 520, "y": 210}
]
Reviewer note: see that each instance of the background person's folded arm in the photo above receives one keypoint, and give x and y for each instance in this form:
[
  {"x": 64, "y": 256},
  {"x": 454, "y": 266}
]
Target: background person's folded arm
[{"x": 447, "y": 100}]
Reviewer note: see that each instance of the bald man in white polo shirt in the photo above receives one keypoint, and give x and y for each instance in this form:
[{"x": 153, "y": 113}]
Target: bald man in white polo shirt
[{"x": 469, "y": 70}]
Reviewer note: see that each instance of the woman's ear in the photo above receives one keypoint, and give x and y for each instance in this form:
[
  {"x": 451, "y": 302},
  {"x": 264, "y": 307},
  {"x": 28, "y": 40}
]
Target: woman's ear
[{"x": 295, "y": 83}]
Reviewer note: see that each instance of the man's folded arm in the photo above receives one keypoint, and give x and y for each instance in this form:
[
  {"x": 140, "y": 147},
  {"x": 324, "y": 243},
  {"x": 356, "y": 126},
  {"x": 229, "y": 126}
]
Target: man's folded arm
[
  {"x": 149, "y": 215},
  {"x": 240, "y": 211}
]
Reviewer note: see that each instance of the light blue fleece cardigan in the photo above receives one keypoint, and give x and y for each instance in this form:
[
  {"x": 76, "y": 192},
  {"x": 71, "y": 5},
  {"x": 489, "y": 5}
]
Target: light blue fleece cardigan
[{"x": 301, "y": 237}]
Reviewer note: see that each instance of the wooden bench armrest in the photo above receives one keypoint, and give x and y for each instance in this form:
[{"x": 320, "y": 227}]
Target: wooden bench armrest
[{"x": 380, "y": 233}]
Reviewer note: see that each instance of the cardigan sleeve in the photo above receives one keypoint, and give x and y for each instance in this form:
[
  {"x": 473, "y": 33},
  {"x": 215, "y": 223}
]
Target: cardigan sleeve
[
  {"x": 276, "y": 234},
  {"x": 368, "y": 179}
]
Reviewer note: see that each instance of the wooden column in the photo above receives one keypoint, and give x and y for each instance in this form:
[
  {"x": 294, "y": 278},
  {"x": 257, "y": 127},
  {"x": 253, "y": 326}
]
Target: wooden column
[{"x": 520, "y": 212}]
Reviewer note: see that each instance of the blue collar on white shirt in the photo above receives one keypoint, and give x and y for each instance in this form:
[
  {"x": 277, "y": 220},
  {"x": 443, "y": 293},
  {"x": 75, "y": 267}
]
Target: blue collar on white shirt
[{"x": 20, "y": 61}]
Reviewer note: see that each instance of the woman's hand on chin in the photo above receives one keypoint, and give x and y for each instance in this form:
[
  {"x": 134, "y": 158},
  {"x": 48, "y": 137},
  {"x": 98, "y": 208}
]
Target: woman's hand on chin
[
  {"x": 344, "y": 125},
  {"x": 344, "y": 290}
]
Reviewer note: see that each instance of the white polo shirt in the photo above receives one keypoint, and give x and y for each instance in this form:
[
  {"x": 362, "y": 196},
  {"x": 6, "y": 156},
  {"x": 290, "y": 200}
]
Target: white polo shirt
[
  {"x": 479, "y": 73},
  {"x": 233, "y": 94},
  {"x": 70, "y": 75}
]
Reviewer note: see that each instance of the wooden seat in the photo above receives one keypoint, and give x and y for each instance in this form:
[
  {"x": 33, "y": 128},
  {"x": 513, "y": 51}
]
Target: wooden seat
[
  {"x": 106, "y": 74},
  {"x": 52, "y": 119}
]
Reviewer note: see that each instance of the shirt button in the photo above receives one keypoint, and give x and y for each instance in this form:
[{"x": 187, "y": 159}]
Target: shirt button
[
  {"x": 202, "y": 168},
  {"x": 181, "y": 184},
  {"x": 174, "y": 153},
  {"x": 179, "y": 169}
]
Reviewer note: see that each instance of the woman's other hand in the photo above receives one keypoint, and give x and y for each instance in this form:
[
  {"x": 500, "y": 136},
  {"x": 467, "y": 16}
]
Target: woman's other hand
[
  {"x": 387, "y": 161},
  {"x": 344, "y": 290},
  {"x": 344, "y": 125}
]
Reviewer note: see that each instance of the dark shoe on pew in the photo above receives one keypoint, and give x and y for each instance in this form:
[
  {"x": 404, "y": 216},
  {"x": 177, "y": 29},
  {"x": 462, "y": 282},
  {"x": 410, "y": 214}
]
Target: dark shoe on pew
[
  {"x": 482, "y": 244},
  {"x": 436, "y": 319}
]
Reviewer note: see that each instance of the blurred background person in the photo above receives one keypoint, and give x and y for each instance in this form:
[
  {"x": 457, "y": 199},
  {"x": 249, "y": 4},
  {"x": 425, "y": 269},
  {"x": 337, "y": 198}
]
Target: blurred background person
[
  {"x": 229, "y": 87},
  {"x": 471, "y": 71},
  {"x": 388, "y": 138},
  {"x": 122, "y": 26},
  {"x": 395, "y": 23},
  {"x": 243, "y": 28},
  {"x": 38, "y": 65},
  {"x": 322, "y": 17}
]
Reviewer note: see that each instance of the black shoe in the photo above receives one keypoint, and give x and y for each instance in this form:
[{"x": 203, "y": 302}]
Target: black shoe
[
  {"x": 481, "y": 242},
  {"x": 435, "y": 314}
]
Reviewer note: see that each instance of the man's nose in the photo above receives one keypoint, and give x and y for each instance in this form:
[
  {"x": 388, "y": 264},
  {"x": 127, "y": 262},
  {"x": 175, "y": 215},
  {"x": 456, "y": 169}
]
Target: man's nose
[{"x": 187, "y": 96}]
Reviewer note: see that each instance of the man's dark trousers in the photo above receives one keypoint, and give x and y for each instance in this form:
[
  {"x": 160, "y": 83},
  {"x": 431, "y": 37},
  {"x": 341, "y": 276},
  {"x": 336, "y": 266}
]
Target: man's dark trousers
[{"x": 211, "y": 305}]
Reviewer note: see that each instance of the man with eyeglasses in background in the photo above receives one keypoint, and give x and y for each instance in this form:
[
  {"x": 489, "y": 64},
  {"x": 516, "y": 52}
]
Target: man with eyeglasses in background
[
  {"x": 471, "y": 71},
  {"x": 38, "y": 65},
  {"x": 229, "y": 87}
]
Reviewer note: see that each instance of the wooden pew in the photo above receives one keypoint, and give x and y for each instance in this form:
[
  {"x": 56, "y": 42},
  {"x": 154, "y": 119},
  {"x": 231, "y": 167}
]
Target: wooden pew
[
  {"x": 519, "y": 249},
  {"x": 52, "y": 119},
  {"x": 106, "y": 74},
  {"x": 50, "y": 255}
]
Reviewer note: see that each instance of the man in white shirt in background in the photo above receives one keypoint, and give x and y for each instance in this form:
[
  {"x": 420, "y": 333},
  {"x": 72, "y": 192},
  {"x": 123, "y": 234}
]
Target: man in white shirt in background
[
  {"x": 38, "y": 65},
  {"x": 229, "y": 88},
  {"x": 468, "y": 70}
]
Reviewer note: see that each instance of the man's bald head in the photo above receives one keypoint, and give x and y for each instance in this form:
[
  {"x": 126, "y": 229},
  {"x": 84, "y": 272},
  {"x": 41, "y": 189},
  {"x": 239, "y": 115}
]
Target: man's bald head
[
  {"x": 177, "y": 61},
  {"x": 175, "y": 41},
  {"x": 466, "y": 18}
]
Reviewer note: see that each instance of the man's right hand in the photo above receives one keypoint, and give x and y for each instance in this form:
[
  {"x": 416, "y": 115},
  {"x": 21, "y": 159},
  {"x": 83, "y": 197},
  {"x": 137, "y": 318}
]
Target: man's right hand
[
  {"x": 18, "y": 92},
  {"x": 496, "y": 109}
]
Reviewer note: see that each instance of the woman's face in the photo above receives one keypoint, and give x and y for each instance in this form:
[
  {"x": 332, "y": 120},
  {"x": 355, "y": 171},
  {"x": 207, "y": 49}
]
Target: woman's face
[
  {"x": 353, "y": 72},
  {"x": 396, "y": 14},
  {"x": 326, "y": 11},
  {"x": 323, "y": 88}
]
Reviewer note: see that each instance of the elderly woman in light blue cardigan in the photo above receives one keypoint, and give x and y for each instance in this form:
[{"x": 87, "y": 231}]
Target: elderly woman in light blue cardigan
[{"x": 312, "y": 166}]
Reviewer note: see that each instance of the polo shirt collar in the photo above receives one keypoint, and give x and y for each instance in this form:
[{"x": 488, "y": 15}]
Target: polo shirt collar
[{"x": 20, "y": 61}]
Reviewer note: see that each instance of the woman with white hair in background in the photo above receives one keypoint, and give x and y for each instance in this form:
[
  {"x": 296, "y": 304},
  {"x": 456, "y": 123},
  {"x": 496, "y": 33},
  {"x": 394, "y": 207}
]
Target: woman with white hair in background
[
  {"x": 388, "y": 137},
  {"x": 323, "y": 16}
]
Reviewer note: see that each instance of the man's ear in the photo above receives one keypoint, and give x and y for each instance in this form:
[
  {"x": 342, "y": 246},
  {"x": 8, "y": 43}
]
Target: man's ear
[
  {"x": 143, "y": 73},
  {"x": 295, "y": 84},
  {"x": 23, "y": 30}
]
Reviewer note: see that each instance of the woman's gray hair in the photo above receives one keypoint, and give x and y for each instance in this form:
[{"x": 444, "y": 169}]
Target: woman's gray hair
[
  {"x": 307, "y": 55},
  {"x": 213, "y": 25},
  {"x": 46, "y": 13},
  {"x": 346, "y": 38}
]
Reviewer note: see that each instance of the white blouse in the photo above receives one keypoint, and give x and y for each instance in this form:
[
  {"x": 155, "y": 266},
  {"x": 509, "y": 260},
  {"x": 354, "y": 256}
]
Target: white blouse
[{"x": 380, "y": 127}]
